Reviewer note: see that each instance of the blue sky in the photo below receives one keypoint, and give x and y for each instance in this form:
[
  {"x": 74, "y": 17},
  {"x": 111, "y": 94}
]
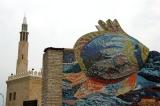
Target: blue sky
[{"x": 59, "y": 23}]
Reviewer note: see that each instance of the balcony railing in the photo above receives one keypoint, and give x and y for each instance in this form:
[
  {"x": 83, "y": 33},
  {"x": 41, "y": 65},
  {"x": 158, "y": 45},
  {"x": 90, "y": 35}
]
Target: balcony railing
[{"x": 25, "y": 74}]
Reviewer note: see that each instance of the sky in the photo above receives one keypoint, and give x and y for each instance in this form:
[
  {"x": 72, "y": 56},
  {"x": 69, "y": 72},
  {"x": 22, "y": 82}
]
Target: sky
[{"x": 59, "y": 23}]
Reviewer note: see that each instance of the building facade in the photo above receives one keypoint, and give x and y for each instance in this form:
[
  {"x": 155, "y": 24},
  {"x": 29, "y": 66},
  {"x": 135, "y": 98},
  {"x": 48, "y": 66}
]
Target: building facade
[{"x": 24, "y": 87}]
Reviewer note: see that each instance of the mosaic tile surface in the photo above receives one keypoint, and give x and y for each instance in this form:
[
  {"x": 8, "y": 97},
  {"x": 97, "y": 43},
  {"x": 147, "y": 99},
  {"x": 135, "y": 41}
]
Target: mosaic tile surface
[{"x": 110, "y": 68}]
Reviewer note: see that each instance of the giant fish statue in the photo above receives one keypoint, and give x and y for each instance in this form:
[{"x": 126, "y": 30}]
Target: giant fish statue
[
  {"x": 109, "y": 60},
  {"x": 115, "y": 69},
  {"x": 110, "y": 53}
]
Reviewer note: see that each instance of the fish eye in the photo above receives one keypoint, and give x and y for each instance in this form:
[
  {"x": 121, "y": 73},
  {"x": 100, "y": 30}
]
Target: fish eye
[{"x": 136, "y": 47}]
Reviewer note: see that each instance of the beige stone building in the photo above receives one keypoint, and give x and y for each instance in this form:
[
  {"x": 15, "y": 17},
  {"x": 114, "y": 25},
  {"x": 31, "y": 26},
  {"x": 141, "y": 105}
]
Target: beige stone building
[{"x": 24, "y": 88}]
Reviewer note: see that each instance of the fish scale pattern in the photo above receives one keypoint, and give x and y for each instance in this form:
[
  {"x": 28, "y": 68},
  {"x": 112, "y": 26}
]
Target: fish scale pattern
[
  {"x": 110, "y": 68},
  {"x": 151, "y": 69}
]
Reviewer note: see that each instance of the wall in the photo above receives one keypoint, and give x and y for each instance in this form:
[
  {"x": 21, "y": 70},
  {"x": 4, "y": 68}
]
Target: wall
[
  {"x": 26, "y": 88},
  {"x": 35, "y": 89},
  {"x": 52, "y": 77},
  {"x": 20, "y": 86}
]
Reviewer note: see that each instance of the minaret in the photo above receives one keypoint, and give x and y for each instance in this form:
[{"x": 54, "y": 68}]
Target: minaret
[{"x": 22, "y": 61}]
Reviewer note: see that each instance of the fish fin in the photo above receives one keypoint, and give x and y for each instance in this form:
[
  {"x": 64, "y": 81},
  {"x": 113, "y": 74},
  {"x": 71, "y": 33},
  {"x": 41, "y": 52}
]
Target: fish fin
[
  {"x": 88, "y": 87},
  {"x": 75, "y": 78},
  {"x": 111, "y": 26}
]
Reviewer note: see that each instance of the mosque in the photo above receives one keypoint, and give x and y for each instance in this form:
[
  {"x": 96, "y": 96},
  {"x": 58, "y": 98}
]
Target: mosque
[{"x": 24, "y": 87}]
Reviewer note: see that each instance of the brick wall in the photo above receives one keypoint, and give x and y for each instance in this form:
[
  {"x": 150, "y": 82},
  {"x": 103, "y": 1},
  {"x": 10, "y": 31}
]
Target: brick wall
[{"x": 52, "y": 77}]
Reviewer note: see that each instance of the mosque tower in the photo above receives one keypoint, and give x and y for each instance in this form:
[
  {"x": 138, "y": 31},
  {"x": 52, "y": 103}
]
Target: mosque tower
[
  {"x": 24, "y": 88},
  {"x": 22, "y": 61}
]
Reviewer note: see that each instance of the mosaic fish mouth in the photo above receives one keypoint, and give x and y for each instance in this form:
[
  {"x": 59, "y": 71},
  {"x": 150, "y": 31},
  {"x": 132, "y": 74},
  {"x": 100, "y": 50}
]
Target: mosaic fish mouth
[
  {"x": 112, "y": 68},
  {"x": 100, "y": 69}
]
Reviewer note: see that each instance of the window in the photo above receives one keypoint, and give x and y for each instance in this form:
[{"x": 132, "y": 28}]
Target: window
[
  {"x": 10, "y": 96},
  {"x": 26, "y": 37},
  {"x": 14, "y": 96},
  {"x": 21, "y": 38}
]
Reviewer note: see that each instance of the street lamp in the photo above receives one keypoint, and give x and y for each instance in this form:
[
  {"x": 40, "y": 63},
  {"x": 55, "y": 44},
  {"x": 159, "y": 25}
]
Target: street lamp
[{"x": 2, "y": 98}]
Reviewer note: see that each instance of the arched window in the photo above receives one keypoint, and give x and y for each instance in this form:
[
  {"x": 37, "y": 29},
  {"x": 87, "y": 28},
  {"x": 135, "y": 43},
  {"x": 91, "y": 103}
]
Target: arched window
[
  {"x": 10, "y": 96},
  {"x": 14, "y": 96}
]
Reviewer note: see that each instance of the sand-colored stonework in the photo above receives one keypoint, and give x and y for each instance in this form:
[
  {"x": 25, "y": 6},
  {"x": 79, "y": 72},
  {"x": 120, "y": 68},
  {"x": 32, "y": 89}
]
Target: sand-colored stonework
[{"x": 24, "y": 86}]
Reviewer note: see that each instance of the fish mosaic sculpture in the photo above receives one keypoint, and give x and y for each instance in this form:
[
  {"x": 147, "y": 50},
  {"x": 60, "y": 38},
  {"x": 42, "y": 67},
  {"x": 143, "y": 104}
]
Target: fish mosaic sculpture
[
  {"x": 108, "y": 68},
  {"x": 111, "y": 53}
]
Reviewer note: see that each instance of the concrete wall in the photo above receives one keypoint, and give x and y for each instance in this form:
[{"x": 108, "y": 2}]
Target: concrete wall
[
  {"x": 35, "y": 89},
  {"x": 26, "y": 88},
  {"x": 20, "y": 86}
]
